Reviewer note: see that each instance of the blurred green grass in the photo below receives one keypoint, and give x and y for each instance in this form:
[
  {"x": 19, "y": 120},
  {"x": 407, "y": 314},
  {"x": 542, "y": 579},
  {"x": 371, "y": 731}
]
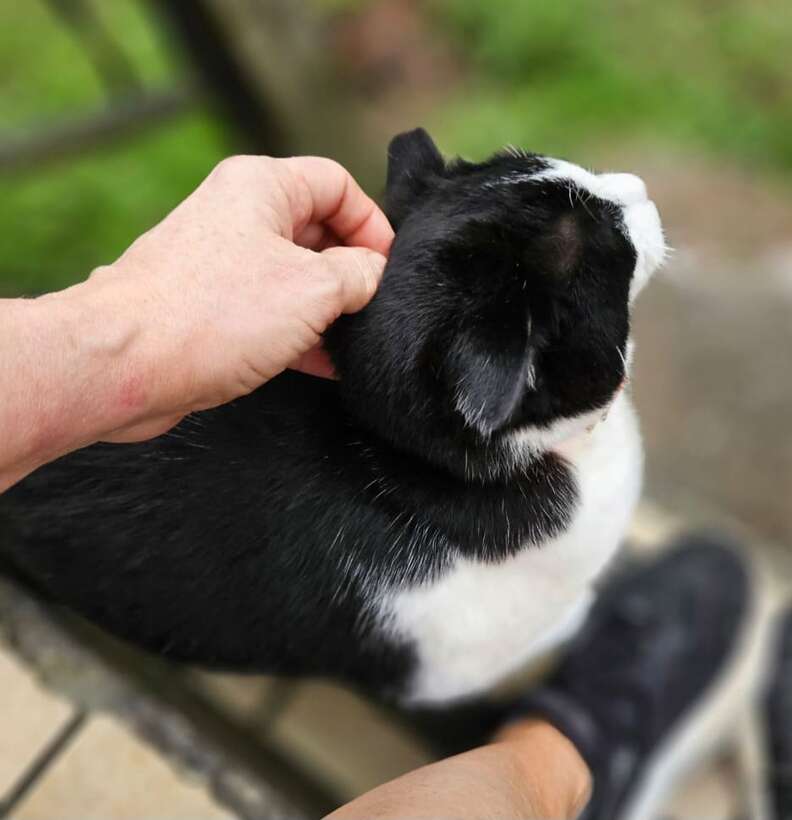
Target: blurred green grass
[
  {"x": 697, "y": 75},
  {"x": 60, "y": 221}
]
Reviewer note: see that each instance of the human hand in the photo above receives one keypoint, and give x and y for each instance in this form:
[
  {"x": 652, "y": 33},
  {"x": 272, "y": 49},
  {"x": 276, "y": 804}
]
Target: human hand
[
  {"x": 235, "y": 285},
  {"x": 238, "y": 283}
]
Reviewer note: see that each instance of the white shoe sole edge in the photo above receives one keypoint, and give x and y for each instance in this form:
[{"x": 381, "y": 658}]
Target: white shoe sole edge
[{"x": 719, "y": 715}]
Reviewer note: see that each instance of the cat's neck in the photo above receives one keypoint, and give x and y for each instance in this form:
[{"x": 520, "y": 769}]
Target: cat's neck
[{"x": 502, "y": 458}]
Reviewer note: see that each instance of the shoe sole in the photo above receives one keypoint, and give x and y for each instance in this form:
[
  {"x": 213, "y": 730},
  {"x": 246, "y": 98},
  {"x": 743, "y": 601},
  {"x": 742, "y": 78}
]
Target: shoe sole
[{"x": 710, "y": 725}]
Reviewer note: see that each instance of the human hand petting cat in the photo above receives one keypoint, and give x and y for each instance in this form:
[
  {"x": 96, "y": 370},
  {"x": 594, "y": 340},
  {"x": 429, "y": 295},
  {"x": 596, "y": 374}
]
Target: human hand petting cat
[{"x": 235, "y": 285}]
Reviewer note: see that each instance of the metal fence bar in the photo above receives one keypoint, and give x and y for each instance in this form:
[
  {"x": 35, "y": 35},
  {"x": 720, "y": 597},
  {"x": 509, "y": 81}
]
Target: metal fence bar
[
  {"x": 214, "y": 58},
  {"x": 121, "y": 120},
  {"x": 114, "y": 68}
]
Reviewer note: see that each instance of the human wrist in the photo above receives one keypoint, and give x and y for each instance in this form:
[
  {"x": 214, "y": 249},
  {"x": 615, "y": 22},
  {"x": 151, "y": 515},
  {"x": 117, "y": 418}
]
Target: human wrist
[
  {"x": 167, "y": 340},
  {"x": 85, "y": 368},
  {"x": 566, "y": 784},
  {"x": 48, "y": 405},
  {"x": 96, "y": 339}
]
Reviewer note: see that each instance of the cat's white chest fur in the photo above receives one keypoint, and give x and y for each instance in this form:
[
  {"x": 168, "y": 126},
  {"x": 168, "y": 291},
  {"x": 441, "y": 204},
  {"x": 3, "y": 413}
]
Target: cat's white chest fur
[{"x": 479, "y": 622}]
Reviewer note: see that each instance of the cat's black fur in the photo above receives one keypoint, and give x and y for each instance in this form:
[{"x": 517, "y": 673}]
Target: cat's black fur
[{"x": 259, "y": 536}]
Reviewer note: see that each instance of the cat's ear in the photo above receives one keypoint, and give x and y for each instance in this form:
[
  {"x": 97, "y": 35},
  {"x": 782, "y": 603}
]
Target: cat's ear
[
  {"x": 413, "y": 159},
  {"x": 490, "y": 373}
]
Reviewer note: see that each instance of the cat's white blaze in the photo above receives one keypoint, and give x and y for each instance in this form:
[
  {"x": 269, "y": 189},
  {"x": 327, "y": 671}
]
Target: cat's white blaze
[
  {"x": 479, "y": 622},
  {"x": 627, "y": 189},
  {"x": 640, "y": 216}
]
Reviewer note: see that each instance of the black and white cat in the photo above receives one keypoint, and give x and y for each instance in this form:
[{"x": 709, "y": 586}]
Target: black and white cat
[{"x": 430, "y": 521}]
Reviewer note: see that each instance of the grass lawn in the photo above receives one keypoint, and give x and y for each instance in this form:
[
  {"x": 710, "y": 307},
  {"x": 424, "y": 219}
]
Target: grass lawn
[
  {"x": 712, "y": 77},
  {"x": 554, "y": 77},
  {"x": 60, "y": 221}
]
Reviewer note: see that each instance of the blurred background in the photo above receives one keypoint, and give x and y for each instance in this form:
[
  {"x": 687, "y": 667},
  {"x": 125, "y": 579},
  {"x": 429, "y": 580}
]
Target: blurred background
[{"x": 112, "y": 111}]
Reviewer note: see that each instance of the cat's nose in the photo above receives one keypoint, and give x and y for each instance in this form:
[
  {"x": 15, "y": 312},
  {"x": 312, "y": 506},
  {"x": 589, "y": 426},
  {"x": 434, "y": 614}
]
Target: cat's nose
[{"x": 626, "y": 188}]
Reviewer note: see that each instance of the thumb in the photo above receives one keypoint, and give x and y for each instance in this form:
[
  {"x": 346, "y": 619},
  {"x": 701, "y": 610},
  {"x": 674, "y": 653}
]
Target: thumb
[{"x": 358, "y": 270}]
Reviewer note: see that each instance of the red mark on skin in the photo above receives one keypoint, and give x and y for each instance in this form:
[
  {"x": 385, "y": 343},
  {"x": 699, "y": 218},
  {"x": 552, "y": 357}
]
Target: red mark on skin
[{"x": 132, "y": 395}]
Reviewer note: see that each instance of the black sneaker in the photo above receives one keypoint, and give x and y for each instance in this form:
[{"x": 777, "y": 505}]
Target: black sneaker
[
  {"x": 778, "y": 725},
  {"x": 651, "y": 683}
]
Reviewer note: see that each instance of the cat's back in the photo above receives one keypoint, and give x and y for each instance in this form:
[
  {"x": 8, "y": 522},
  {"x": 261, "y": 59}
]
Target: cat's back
[
  {"x": 194, "y": 543},
  {"x": 223, "y": 454}
]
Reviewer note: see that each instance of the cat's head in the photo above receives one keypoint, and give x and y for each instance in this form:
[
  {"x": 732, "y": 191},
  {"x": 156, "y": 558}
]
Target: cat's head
[{"x": 504, "y": 309}]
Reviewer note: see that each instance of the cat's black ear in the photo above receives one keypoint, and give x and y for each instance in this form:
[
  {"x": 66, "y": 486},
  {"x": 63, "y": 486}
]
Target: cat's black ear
[
  {"x": 490, "y": 376},
  {"x": 413, "y": 159}
]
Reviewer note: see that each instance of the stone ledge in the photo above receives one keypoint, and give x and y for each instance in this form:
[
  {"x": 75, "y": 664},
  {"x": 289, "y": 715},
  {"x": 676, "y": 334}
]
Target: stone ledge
[{"x": 97, "y": 674}]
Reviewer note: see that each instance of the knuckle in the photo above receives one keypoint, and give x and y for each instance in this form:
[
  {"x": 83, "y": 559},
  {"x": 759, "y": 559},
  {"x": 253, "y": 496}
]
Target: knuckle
[
  {"x": 370, "y": 279},
  {"x": 335, "y": 167},
  {"x": 240, "y": 167},
  {"x": 358, "y": 269},
  {"x": 116, "y": 271},
  {"x": 305, "y": 164},
  {"x": 102, "y": 272},
  {"x": 229, "y": 166},
  {"x": 328, "y": 282}
]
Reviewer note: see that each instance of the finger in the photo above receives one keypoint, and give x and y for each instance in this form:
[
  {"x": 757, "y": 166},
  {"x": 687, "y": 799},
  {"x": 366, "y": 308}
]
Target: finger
[
  {"x": 331, "y": 196},
  {"x": 315, "y": 362},
  {"x": 316, "y": 237},
  {"x": 359, "y": 271},
  {"x": 310, "y": 236}
]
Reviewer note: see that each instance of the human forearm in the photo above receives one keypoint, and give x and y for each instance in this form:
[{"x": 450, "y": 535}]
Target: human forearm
[
  {"x": 531, "y": 771},
  {"x": 71, "y": 372}
]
